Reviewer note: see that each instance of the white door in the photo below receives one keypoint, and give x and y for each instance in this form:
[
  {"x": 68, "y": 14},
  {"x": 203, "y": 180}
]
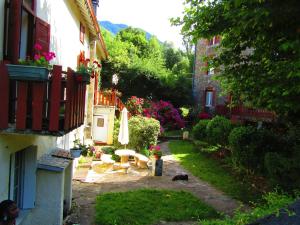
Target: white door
[{"x": 100, "y": 128}]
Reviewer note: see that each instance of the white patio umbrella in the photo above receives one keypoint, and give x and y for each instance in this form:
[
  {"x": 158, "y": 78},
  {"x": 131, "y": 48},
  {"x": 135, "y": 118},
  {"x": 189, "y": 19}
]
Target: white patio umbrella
[{"x": 123, "y": 137}]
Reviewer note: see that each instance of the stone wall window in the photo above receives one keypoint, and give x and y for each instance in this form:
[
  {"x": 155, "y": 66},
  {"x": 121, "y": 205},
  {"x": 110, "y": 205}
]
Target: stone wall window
[{"x": 209, "y": 98}]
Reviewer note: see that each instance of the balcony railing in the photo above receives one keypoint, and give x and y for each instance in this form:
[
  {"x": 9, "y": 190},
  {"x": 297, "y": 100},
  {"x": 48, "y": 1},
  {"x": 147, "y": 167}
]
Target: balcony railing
[
  {"x": 245, "y": 113},
  {"x": 54, "y": 107},
  {"x": 108, "y": 99}
]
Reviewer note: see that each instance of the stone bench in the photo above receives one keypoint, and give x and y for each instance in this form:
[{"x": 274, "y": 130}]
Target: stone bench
[
  {"x": 141, "y": 161},
  {"x": 121, "y": 166}
]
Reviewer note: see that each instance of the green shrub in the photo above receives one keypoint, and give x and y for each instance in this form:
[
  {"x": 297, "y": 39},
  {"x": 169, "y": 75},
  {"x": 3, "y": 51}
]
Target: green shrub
[
  {"x": 145, "y": 152},
  {"x": 108, "y": 150},
  {"x": 273, "y": 202},
  {"x": 242, "y": 148},
  {"x": 282, "y": 170},
  {"x": 143, "y": 132},
  {"x": 250, "y": 145},
  {"x": 199, "y": 130},
  {"x": 116, "y": 158},
  {"x": 116, "y": 133},
  {"x": 218, "y": 130}
]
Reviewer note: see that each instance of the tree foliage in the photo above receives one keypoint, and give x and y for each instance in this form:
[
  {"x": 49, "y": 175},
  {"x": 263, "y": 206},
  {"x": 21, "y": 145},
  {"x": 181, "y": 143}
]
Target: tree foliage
[
  {"x": 260, "y": 49},
  {"x": 147, "y": 68}
]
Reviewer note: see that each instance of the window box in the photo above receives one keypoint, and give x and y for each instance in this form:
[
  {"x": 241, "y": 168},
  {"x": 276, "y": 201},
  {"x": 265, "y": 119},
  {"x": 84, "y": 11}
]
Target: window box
[
  {"x": 82, "y": 77},
  {"x": 31, "y": 73}
]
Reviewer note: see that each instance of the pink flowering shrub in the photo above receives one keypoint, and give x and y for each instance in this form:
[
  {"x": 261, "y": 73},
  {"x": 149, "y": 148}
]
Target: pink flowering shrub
[
  {"x": 135, "y": 105},
  {"x": 40, "y": 58},
  {"x": 166, "y": 114},
  {"x": 204, "y": 116}
]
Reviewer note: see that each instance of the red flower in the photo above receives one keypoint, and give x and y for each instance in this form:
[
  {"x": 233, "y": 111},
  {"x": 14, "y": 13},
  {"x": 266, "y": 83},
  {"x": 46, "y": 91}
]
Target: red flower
[{"x": 37, "y": 47}]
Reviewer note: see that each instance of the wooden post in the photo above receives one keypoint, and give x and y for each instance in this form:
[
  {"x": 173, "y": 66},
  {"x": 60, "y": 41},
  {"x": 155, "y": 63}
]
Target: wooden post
[
  {"x": 55, "y": 99},
  {"x": 68, "y": 100},
  {"x": 21, "y": 105},
  {"x": 4, "y": 96},
  {"x": 38, "y": 90}
]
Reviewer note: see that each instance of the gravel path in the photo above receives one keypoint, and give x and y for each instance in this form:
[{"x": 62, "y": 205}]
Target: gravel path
[{"x": 87, "y": 184}]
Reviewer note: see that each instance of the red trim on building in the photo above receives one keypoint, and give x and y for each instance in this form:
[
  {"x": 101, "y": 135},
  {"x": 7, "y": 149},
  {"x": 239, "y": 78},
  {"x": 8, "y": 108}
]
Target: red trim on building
[{"x": 4, "y": 96}]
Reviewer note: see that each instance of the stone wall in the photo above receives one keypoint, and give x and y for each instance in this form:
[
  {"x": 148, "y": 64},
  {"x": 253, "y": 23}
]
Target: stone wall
[{"x": 201, "y": 80}]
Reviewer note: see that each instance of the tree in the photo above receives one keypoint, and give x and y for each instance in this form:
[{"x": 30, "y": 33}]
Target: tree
[
  {"x": 144, "y": 68},
  {"x": 260, "y": 49}
]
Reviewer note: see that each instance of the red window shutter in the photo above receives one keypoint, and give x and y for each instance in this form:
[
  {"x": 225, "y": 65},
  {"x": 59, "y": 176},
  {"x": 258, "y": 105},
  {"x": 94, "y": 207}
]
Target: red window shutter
[
  {"x": 42, "y": 34},
  {"x": 214, "y": 98},
  {"x": 13, "y": 27},
  {"x": 204, "y": 99}
]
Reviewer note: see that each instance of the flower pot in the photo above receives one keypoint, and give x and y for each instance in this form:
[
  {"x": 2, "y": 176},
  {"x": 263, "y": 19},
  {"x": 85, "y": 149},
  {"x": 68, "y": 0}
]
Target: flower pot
[
  {"x": 82, "y": 77},
  {"x": 31, "y": 73},
  {"x": 75, "y": 153},
  {"x": 157, "y": 156}
]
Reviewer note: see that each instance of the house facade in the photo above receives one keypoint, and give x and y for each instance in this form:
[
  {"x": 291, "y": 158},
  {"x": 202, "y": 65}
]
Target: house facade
[
  {"x": 40, "y": 120},
  {"x": 206, "y": 90}
]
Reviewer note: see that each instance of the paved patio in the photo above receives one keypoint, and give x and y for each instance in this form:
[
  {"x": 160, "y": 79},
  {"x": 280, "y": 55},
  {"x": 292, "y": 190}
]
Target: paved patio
[{"x": 87, "y": 184}]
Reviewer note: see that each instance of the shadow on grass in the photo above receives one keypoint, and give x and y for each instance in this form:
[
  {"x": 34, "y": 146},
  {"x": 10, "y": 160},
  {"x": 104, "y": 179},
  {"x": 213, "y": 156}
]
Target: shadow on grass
[{"x": 213, "y": 172}]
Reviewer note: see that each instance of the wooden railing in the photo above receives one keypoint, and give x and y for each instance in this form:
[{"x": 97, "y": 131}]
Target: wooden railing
[
  {"x": 245, "y": 113},
  {"x": 54, "y": 107},
  {"x": 108, "y": 99}
]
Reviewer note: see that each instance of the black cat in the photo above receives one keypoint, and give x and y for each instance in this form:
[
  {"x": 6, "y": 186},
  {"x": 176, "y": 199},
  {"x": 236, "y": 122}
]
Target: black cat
[{"x": 181, "y": 177}]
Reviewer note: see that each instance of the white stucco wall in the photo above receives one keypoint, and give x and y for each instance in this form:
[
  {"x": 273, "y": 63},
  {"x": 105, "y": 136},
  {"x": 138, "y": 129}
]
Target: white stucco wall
[
  {"x": 1, "y": 27},
  {"x": 110, "y": 111},
  {"x": 13, "y": 143},
  {"x": 49, "y": 199},
  {"x": 64, "y": 19}
]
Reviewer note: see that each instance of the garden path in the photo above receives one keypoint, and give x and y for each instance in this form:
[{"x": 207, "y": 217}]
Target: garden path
[{"x": 86, "y": 185}]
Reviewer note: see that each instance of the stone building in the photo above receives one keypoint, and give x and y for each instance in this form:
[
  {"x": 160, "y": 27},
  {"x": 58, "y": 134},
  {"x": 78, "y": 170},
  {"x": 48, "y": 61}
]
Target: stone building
[{"x": 206, "y": 90}]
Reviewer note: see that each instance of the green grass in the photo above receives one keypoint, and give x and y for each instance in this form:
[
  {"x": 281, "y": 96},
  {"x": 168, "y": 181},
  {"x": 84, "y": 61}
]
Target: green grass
[
  {"x": 148, "y": 206},
  {"x": 213, "y": 172},
  {"x": 168, "y": 133}
]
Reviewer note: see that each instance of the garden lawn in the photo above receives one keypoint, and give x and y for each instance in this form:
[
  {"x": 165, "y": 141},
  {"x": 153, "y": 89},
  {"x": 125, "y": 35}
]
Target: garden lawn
[
  {"x": 171, "y": 133},
  {"x": 149, "y": 206},
  {"x": 211, "y": 171}
]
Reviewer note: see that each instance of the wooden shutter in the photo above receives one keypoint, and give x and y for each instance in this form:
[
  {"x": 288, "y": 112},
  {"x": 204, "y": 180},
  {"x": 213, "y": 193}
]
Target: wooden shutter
[
  {"x": 30, "y": 164},
  {"x": 42, "y": 34},
  {"x": 14, "y": 30},
  {"x": 214, "y": 97}
]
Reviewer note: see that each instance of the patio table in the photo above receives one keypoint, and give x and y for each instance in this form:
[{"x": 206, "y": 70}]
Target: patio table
[{"x": 124, "y": 154}]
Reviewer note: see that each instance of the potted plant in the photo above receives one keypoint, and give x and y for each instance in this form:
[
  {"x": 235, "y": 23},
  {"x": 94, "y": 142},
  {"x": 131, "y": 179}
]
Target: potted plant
[
  {"x": 34, "y": 70},
  {"x": 77, "y": 149},
  {"x": 87, "y": 69},
  {"x": 155, "y": 151}
]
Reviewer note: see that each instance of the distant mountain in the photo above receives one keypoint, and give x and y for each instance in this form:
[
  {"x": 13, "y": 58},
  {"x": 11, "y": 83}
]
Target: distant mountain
[{"x": 115, "y": 28}]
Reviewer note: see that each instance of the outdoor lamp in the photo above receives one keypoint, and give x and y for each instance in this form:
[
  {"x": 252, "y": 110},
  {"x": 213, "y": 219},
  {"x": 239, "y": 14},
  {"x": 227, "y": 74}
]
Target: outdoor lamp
[{"x": 115, "y": 79}]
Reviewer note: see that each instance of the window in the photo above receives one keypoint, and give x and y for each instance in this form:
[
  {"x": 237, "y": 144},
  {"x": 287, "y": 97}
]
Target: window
[
  {"x": 215, "y": 40},
  {"x": 82, "y": 32},
  {"x": 208, "y": 98},
  {"x": 22, "y": 28},
  {"x": 23, "y": 177},
  {"x": 18, "y": 177},
  {"x": 100, "y": 122}
]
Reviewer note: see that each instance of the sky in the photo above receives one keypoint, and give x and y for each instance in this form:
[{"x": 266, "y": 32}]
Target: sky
[{"x": 149, "y": 15}]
